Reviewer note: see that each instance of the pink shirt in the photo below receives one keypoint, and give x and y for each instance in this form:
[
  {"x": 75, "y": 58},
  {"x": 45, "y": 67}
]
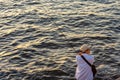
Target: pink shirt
[{"x": 83, "y": 70}]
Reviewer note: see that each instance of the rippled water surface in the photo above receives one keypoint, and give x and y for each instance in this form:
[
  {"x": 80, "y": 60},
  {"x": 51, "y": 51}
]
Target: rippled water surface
[{"x": 36, "y": 38}]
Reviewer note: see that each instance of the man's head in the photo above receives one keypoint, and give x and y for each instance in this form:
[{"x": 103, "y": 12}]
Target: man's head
[{"x": 85, "y": 48}]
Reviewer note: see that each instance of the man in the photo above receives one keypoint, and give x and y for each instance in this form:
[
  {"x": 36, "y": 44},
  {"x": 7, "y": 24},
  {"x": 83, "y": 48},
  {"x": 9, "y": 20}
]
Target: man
[{"x": 83, "y": 70}]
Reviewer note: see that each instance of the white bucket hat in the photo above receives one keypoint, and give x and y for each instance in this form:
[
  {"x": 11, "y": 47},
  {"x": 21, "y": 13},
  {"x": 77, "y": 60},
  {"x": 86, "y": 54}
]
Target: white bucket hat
[{"x": 84, "y": 47}]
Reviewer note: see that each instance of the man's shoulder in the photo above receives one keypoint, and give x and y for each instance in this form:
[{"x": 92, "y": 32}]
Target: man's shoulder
[{"x": 88, "y": 56}]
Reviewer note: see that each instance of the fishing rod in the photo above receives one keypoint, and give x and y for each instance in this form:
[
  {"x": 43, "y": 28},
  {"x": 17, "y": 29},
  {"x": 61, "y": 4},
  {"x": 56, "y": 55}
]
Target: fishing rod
[{"x": 68, "y": 41}]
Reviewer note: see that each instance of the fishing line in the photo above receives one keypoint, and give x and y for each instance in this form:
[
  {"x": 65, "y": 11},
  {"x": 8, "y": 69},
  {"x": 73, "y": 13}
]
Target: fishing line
[{"x": 67, "y": 40}]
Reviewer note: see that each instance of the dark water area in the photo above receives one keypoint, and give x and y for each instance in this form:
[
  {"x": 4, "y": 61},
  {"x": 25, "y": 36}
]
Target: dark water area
[{"x": 36, "y": 38}]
